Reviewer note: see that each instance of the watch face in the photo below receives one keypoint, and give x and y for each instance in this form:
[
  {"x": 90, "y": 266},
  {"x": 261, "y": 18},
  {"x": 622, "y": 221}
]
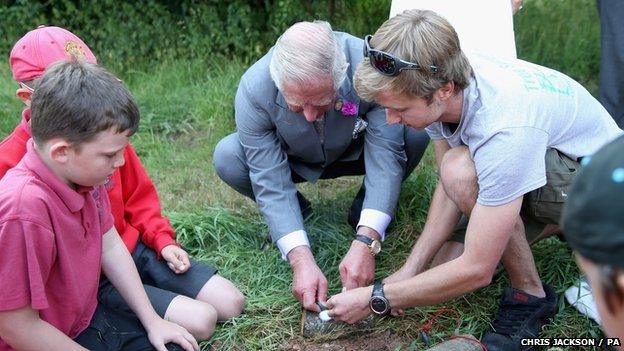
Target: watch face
[
  {"x": 375, "y": 247},
  {"x": 379, "y": 305}
]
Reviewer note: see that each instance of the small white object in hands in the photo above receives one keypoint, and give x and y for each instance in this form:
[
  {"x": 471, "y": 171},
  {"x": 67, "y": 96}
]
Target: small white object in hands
[{"x": 324, "y": 316}]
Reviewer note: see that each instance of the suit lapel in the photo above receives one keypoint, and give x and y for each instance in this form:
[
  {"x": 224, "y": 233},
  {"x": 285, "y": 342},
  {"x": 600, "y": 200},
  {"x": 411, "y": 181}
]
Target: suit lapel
[{"x": 339, "y": 128}]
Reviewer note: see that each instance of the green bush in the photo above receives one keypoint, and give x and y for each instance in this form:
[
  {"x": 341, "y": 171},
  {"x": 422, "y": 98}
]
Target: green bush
[{"x": 133, "y": 35}]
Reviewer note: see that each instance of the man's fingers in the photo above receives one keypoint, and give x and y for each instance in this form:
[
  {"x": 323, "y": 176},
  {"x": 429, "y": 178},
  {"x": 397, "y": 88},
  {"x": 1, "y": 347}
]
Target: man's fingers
[
  {"x": 321, "y": 293},
  {"x": 362, "y": 281},
  {"x": 329, "y": 304},
  {"x": 309, "y": 301},
  {"x": 344, "y": 273},
  {"x": 396, "y": 312},
  {"x": 349, "y": 284}
]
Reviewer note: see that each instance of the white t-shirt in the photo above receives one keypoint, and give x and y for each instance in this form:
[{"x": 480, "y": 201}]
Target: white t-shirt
[{"x": 512, "y": 112}]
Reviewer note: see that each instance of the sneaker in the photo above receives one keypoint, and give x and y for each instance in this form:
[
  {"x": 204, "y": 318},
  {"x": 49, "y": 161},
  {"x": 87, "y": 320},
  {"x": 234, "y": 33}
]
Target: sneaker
[
  {"x": 353, "y": 217},
  {"x": 305, "y": 206},
  {"x": 580, "y": 296},
  {"x": 520, "y": 315}
]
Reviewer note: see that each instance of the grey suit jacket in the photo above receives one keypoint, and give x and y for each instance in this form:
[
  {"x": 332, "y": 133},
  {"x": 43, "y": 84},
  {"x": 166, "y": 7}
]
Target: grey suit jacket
[{"x": 275, "y": 139}]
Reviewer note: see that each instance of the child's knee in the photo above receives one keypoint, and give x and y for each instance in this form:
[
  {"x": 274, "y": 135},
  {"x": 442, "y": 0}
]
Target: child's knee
[
  {"x": 233, "y": 306},
  {"x": 202, "y": 322},
  {"x": 224, "y": 296}
]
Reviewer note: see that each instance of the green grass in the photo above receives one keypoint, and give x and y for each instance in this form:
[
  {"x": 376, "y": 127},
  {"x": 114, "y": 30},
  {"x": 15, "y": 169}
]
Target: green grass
[
  {"x": 187, "y": 106},
  {"x": 561, "y": 34}
]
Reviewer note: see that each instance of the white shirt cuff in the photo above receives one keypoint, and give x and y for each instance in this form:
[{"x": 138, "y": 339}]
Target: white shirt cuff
[
  {"x": 290, "y": 241},
  {"x": 376, "y": 220}
]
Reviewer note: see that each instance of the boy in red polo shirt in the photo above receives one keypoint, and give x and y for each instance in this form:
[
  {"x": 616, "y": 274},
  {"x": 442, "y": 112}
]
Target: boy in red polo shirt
[
  {"x": 56, "y": 228},
  {"x": 174, "y": 283}
]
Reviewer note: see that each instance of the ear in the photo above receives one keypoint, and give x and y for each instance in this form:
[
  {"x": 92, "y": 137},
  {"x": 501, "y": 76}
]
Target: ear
[
  {"x": 446, "y": 91},
  {"x": 619, "y": 282},
  {"x": 613, "y": 292},
  {"x": 25, "y": 95},
  {"x": 60, "y": 150}
]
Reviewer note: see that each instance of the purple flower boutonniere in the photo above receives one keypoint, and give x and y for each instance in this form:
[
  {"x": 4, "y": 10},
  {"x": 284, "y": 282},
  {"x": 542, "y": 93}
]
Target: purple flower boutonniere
[{"x": 347, "y": 108}]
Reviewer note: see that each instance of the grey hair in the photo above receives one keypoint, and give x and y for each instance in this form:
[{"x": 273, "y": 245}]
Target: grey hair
[{"x": 305, "y": 52}]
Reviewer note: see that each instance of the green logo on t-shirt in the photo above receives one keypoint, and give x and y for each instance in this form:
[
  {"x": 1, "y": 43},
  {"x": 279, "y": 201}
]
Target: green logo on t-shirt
[{"x": 537, "y": 80}]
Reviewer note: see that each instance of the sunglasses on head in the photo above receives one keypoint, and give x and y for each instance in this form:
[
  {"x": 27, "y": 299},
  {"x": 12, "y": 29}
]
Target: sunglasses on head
[{"x": 387, "y": 64}]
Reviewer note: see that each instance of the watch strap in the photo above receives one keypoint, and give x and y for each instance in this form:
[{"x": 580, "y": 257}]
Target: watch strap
[
  {"x": 378, "y": 289},
  {"x": 363, "y": 238}
]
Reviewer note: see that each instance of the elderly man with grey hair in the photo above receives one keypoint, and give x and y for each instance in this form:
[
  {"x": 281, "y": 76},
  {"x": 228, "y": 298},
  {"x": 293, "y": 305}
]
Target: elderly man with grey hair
[{"x": 299, "y": 119}]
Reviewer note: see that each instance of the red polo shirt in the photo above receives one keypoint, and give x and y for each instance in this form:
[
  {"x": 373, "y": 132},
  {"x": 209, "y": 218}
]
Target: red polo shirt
[
  {"x": 50, "y": 245},
  {"x": 134, "y": 200}
]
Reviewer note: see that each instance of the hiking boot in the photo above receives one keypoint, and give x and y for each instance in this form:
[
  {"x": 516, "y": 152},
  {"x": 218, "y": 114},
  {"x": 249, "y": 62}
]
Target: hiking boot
[
  {"x": 520, "y": 315},
  {"x": 305, "y": 206},
  {"x": 353, "y": 217}
]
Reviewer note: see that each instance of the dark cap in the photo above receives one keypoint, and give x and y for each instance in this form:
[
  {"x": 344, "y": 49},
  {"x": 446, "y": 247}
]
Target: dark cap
[{"x": 593, "y": 217}]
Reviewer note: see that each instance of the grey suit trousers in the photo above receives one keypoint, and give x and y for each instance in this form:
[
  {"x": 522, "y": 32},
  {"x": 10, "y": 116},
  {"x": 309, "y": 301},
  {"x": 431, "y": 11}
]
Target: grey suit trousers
[
  {"x": 612, "y": 59},
  {"x": 231, "y": 165}
]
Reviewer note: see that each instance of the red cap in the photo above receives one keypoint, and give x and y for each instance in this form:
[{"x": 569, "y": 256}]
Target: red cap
[{"x": 42, "y": 47}]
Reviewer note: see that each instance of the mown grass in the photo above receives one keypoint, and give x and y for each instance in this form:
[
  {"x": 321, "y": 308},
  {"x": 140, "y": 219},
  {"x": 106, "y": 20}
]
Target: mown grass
[{"x": 187, "y": 106}]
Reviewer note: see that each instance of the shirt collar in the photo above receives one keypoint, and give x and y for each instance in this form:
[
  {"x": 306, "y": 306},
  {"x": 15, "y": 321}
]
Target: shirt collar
[{"x": 73, "y": 199}]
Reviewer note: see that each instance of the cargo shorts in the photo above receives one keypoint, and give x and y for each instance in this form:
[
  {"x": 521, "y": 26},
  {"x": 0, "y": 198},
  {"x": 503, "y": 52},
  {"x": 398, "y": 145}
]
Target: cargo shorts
[{"x": 541, "y": 206}]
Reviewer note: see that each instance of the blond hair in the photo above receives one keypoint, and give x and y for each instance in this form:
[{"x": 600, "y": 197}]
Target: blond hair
[{"x": 419, "y": 36}]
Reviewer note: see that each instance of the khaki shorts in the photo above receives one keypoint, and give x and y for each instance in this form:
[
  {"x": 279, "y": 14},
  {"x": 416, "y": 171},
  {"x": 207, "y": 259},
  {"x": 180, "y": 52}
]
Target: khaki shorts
[{"x": 541, "y": 206}]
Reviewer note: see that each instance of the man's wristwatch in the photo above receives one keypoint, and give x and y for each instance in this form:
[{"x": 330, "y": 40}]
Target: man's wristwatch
[
  {"x": 373, "y": 244},
  {"x": 378, "y": 302}
]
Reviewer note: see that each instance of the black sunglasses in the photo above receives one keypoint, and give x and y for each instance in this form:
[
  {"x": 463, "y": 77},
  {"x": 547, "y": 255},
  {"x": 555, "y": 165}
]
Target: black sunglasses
[{"x": 387, "y": 64}]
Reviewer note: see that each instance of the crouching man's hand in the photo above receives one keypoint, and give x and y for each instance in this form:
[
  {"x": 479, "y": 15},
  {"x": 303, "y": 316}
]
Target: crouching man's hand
[
  {"x": 357, "y": 267},
  {"x": 309, "y": 283}
]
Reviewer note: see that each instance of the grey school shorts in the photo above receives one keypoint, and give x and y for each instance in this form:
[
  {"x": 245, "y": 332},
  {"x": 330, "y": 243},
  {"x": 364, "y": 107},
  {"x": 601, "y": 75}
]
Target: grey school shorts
[
  {"x": 541, "y": 206},
  {"x": 161, "y": 284}
]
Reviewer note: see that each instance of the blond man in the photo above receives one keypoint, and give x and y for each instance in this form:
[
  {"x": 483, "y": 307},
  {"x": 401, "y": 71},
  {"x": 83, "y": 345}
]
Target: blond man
[{"x": 507, "y": 137}]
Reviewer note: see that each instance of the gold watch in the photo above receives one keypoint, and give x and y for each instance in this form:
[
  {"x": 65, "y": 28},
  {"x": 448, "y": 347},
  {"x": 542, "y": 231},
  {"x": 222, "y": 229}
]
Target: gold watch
[{"x": 374, "y": 245}]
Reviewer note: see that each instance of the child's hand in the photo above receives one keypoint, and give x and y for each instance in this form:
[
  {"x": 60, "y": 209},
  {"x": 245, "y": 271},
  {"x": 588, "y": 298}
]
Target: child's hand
[
  {"x": 177, "y": 259},
  {"x": 161, "y": 332}
]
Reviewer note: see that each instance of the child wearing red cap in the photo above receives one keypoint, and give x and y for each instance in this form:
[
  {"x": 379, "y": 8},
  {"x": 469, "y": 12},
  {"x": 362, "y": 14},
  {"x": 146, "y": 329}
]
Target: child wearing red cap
[{"x": 175, "y": 284}]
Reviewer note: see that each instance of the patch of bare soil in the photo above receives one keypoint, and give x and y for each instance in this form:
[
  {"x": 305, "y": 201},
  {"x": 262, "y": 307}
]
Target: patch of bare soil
[{"x": 385, "y": 341}]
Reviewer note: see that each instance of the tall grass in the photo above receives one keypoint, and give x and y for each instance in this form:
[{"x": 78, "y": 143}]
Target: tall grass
[{"x": 561, "y": 34}]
